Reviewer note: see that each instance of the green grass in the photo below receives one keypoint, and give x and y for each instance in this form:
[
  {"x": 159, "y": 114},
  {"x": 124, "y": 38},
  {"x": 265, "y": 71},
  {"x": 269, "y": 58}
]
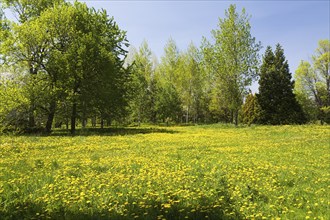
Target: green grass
[{"x": 195, "y": 172}]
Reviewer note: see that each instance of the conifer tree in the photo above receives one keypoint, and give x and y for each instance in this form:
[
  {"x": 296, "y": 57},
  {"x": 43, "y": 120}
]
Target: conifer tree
[
  {"x": 276, "y": 98},
  {"x": 250, "y": 110}
]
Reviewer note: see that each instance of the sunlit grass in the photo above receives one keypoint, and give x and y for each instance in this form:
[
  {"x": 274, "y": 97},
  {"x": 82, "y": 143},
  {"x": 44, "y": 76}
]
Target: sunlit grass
[{"x": 197, "y": 172}]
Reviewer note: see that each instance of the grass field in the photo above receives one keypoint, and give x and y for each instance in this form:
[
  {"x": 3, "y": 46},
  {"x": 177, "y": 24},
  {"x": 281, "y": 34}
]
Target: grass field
[{"x": 196, "y": 172}]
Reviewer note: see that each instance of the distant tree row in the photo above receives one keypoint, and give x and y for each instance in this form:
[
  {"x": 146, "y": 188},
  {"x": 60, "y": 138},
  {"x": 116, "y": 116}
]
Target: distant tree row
[
  {"x": 199, "y": 85},
  {"x": 211, "y": 83},
  {"x": 64, "y": 63}
]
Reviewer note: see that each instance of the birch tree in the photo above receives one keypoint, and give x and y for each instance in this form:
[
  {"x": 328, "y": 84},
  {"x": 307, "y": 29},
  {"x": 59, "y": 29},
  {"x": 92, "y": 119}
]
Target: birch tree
[{"x": 234, "y": 58}]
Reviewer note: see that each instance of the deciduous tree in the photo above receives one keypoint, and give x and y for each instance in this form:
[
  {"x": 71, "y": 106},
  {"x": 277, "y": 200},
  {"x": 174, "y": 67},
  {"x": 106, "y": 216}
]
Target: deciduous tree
[
  {"x": 143, "y": 85},
  {"x": 191, "y": 81},
  {"x": 313, "y": 83},
  {"x": 168, "y": 105},
  {"x": 80, "y": 52},
  {"x": 234, "y": 59}
]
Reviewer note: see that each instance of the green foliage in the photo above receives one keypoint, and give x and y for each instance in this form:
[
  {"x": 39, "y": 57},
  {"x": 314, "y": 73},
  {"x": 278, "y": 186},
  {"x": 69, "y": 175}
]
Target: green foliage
[
  {"x": 144, "y": 85},
  {"x": 276, "y": 98},
  {"x": 29, "y": 9},
  {"x": 13, "y": 102},
  {"x": 251, "y": 110},
  {"x": 325, "y": 114},
  {"x": 233, "y": 59},
  {"x": 169, "y": 103},
  {"x": 18, "y": 88},
  {"x": 191, "y": 82},
  {"x": 4, "y": 34},
  {"x": 308, "y": 105},
  {"x": 73, "y": 67},
  {"x": 313, "y": 82},
  {"x": 78, "y": 51}
]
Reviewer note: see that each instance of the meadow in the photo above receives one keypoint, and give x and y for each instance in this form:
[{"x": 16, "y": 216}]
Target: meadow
[{"x": 193, "y": 172}]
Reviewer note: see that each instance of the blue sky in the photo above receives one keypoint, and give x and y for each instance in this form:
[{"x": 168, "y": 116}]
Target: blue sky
[{"x": 296, "y": 25}]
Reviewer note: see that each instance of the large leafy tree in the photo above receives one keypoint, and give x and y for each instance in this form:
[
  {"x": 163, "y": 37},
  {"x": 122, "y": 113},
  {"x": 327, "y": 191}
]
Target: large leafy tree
[
  {"x": 313, "y": 83},
  {"x": 95, "y": 43},
  {"x": 233, "y": 58},
  {"x": 32, "y": 53},
  {"x": 80, "y": 52},
  {"x": 276, "y": 98},
  {"x": 96, "y": 78},
  {"x": 29, "y": 9}
]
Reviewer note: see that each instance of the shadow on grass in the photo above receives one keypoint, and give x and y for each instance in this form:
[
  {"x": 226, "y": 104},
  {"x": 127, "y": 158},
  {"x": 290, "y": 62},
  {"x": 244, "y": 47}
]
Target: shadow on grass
[
  {"x": 112, "y": 131},
  {"x": 155, "y": 210},
  {"x": 203, "y": 207}
]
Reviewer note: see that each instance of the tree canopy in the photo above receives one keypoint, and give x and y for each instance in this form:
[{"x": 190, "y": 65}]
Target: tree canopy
[
  {"x": 233, "y": 59},
  {"x": 313, "y": 83},
  {"x": 78, "y": 51},
  {"x": 64, "y": 63}
]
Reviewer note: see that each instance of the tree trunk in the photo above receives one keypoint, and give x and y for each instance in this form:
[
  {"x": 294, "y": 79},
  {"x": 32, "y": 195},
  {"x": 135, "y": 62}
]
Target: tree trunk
[
  {"x": 102, "y": 122},
  {"x": 154, "y": 117},
  {"x": 139, "y": 118},
  {"x": 67, "y": 123},
  {"x": 236, "y": 117},
  {"x": 50, "y": 116},
  {"x": 94, "y": 121},
  {"x": 232, "y": 116},
  {"x": 84, "y": 122},
  {"x": 153, "y": 111},
  {"x": 83, "y": 117},
  {"x": 187, "y": 115},
  {"x": 73, "y": 118},
  {"x": 328, "y": 89},
  {"x": 32, "y": 122}
]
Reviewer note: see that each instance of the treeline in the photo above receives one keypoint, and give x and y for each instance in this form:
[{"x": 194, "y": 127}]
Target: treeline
[{"x": 64, "y": 63}]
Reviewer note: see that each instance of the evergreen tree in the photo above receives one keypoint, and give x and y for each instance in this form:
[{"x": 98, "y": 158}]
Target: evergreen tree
[{"x": 276, "y": 98}]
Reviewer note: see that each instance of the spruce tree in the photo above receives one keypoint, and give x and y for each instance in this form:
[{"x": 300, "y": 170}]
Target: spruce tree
[
  {"x": 276, "y": 98},
  {"x": 250, "y": 110},
  {"x": 266, "y": 82}
]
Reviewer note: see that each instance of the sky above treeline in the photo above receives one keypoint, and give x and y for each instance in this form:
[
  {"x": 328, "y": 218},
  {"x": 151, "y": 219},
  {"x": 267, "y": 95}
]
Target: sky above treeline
[{"x": 296, "y": 25}]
